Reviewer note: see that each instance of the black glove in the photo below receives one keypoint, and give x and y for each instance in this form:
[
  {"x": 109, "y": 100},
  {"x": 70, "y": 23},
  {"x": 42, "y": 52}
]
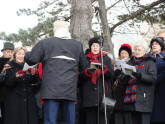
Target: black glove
[
  {"x": 100, "y": 67},
  {"x": 90, "y": 70},
  {"x": 124, "y": 78},
  {"x": 117, "y": 73},
  {"x": 137, "y": 75},
  {"x": 163, "y": 58}
]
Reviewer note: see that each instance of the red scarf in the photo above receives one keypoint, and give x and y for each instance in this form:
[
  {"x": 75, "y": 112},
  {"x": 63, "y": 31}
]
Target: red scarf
[{"x": 97, "y": 73}]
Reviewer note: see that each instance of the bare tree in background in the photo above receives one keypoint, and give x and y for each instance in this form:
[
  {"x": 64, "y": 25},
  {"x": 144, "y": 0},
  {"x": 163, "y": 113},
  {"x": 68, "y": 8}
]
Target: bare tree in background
[{"x": 81, "y": 19}]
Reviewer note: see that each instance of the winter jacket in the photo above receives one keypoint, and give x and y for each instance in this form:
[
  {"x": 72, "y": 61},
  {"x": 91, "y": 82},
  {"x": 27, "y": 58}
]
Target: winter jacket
[
  {"x": 159, "y": 101},
  {"x": 91, "y": 94},
  {"x": 144, "y": 86},
  {"x": 20, "y": 104},
  {"x": 61, "y": 60}
]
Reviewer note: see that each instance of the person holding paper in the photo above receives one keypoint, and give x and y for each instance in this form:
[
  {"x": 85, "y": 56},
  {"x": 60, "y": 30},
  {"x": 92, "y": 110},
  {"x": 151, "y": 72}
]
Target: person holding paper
[
  {"x": 19, "y": 102},
  {"x": 139, "y": 92},
  {"x": 118, "y": 90},
  {"x": 91, "y": 88}
]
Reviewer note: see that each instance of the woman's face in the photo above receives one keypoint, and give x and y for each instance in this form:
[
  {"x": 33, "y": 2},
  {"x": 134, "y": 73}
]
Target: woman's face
[
  {"x": 20, "y": 56},
  {"x": 156, "y": 48},
  {"x": 95, "y": 48},
  {"x": 124, "y": 54},
  {"x": 139, "y": 51}
]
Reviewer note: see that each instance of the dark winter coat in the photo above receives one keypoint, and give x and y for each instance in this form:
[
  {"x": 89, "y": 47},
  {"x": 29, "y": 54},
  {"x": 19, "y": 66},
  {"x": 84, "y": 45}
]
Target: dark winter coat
[
  {"x": 61, "y": 60},
  {"x": 144, "y": 86},
  {"x": 20, "y": 106},
  {"x": 159, "y": 101},
  {"x": 118, "y": 89},
  {"x": 2, "y": 87},
  {"x": 89, "y": 91}
]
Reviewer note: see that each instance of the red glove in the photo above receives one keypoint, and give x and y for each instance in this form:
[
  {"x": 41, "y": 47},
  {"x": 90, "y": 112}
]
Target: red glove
[{"x": 20, "y": 73}]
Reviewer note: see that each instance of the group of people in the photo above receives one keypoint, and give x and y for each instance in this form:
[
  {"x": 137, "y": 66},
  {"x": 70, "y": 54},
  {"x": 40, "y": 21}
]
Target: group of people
[{"x": 72, "y": 80}]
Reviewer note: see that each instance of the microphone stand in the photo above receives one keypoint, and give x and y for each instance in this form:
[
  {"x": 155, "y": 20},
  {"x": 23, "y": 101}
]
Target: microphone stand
[{"x": 102, "y": 65}]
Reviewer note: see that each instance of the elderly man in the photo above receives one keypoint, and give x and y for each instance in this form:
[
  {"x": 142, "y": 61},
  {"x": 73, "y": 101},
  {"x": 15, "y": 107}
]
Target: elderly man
[
  {"x": 62, "y": 58},
  {"x": 139, "y": 92},
  {"x": 7, "y": 54}
]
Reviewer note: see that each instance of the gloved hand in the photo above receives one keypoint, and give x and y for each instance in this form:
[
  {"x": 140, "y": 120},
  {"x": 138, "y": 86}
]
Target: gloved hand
[
  {"x": 90, "y": 70},
  {"x": 137, "y": 75},
  {"x": 100, "y": 67},
  {"x": 32, "y": 71},
  {"x": 117, "y": 72},
  {"x": 20, "y": 73},
  {"x": 163, "y": 58}
]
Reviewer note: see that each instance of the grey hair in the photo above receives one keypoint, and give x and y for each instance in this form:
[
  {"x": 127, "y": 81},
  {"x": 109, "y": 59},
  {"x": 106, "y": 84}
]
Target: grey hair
[{"x": 143, "y": 45}]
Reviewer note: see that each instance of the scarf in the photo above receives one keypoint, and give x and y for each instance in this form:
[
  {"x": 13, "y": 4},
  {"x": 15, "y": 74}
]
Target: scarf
[
  {"x": 97, "y": 72},
  {"x": 130, "y": 92}
]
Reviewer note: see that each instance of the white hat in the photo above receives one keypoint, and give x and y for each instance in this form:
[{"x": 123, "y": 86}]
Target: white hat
[{"x": 61, "y": 29}]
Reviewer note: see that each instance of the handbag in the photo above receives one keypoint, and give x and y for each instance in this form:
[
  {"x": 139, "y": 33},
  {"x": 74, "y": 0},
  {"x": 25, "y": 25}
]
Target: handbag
[{"x": 110, "y": 104}]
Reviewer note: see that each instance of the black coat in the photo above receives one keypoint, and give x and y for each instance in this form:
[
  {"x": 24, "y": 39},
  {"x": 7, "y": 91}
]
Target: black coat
[
  {"x": 20, "y": 106},
  {"x": 144, "y": 86},
  {"x": 61, "y": 60},
  {"x": 89, "y": 92},
  {"x": 118, "y": 89}
]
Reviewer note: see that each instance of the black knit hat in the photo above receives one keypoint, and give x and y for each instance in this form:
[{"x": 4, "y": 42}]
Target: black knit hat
[
  {"x": 94, "y": 40},
  {"x": 8, "y": 46},
  {"x": 127, "y": 48},
  {"x": 159, "y": 40}
]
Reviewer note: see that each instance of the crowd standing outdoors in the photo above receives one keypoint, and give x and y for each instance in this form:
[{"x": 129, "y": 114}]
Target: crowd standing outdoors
[{"x": 70, "y": 82}]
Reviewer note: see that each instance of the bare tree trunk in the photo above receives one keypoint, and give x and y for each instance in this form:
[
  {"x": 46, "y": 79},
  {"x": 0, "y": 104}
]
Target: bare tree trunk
[
  {"x": 105, "y": 27},
  {"x": 81, "y": 19}
]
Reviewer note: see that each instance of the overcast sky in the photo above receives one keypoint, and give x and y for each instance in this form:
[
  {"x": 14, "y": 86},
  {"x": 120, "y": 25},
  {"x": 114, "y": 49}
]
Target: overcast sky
[{"x": 10, "y": 22}]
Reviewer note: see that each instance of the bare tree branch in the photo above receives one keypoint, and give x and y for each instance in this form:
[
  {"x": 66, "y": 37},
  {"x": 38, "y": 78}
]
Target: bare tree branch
[
  {"x": 134, "y": 14},
  {"x": 113, "y": 4}
]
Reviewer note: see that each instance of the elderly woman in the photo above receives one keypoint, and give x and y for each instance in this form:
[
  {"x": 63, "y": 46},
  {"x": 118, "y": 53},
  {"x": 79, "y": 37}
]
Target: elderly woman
[
  {"x": 92, "y": 84},
  {"x": 157, "y": 47},
  {"x": 20, "y": 107},
  {"x": 139, "y": 92}
]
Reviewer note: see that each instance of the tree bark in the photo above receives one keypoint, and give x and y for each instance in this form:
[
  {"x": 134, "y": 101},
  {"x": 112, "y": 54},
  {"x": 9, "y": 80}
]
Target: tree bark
[
  {"x": 105, "y": 27},
  {"x": 81, "y": 19}
]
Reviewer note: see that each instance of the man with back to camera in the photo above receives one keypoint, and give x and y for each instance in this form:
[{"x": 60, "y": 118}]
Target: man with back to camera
[
  {"x": 7, "y": 55},
  {"x": 62, "y": 58}
]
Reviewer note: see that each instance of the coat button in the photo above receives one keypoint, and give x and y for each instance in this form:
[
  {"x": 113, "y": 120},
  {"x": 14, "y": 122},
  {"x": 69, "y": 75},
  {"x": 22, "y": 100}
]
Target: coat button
[
  {"x": 25, "y": 100},
  {"x": 95, "y": 88}
]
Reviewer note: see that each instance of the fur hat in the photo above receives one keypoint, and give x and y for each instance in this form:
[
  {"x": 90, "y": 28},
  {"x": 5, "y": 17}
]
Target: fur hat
[
  {"x": 94, "y": 40},
  {"x": 127, "y": 48},
  {"x": 159, "y": 40},
  {"x": 8, "y": 46}
]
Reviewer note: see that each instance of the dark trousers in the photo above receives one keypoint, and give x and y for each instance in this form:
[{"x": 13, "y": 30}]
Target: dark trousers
[
  {"x": 51, "y": 111},
  {"x": 132, "y": 118},
  {"x": 93, "y": 116}
]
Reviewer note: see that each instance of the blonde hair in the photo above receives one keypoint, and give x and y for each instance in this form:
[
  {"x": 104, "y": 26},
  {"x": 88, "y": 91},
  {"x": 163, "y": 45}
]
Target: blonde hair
[{"x": 18, "y": 49}]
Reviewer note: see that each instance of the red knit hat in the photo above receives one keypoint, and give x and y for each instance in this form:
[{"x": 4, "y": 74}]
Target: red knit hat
[{"x": 127, "y": 48}]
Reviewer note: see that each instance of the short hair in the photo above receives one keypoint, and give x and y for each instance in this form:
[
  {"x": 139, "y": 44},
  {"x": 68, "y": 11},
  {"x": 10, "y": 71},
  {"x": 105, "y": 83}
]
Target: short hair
[{"x": 142, "y": 44}]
